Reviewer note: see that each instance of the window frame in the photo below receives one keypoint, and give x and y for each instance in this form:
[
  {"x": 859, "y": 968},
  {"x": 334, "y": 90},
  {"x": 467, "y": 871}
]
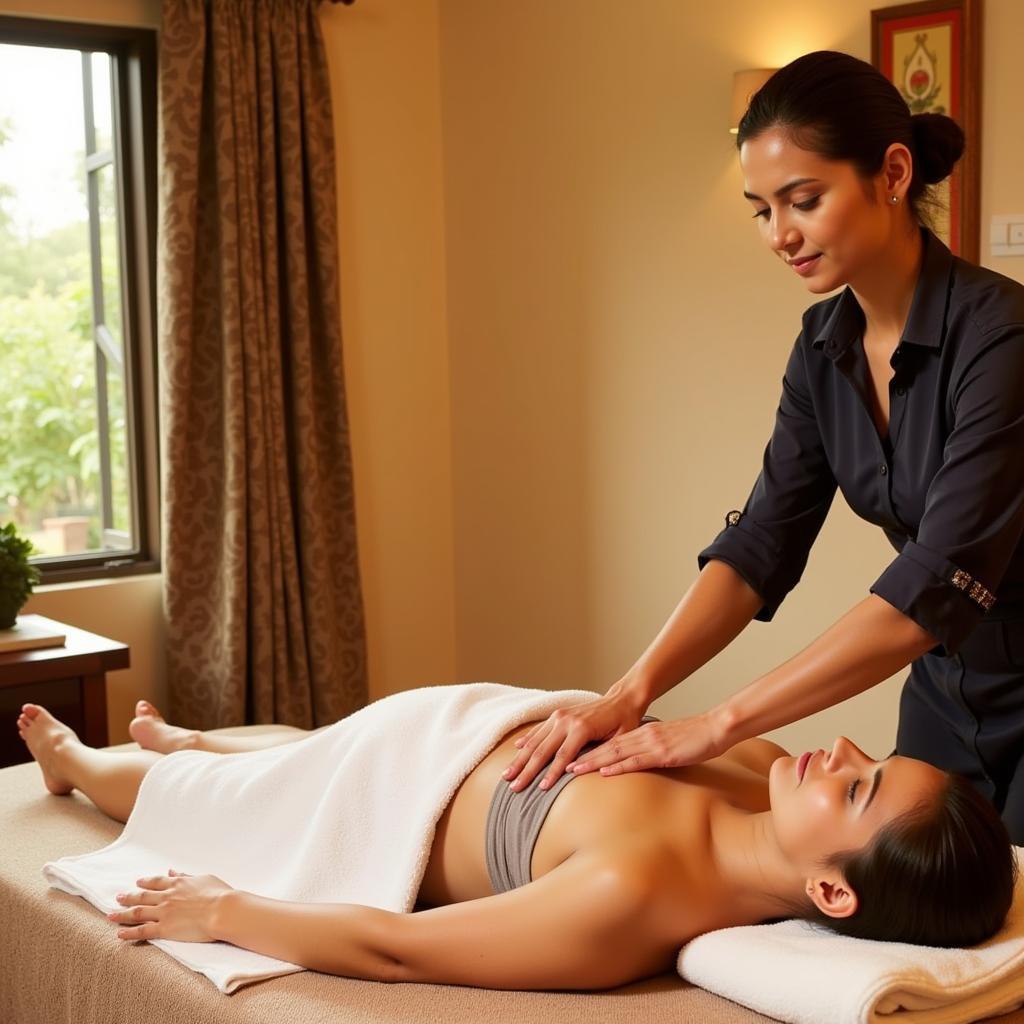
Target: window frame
[{"x": 134, "y": 137}]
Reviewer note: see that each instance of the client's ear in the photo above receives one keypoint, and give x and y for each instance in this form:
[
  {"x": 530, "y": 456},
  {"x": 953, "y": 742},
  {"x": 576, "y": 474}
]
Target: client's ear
[{"x": 832, "y": 895}]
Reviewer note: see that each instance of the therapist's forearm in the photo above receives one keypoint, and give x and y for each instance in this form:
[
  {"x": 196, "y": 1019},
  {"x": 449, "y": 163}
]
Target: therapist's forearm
[
  {"x": 868, "y": 644},
  {"x": 711, "y": 614}
]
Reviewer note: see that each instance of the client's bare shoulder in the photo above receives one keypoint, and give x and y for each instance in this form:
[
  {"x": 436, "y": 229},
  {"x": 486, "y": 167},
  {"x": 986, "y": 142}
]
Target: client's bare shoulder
[{"x": 757, "y": 754}]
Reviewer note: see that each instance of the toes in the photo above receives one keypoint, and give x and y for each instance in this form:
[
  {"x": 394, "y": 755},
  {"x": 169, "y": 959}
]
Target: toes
[
  {"x": 143, "y": 709},
  {"x": 30, "y": 711}
]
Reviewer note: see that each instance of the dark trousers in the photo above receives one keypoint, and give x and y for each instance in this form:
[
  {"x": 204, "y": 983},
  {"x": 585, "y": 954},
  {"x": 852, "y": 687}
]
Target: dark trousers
[{"x": 965, "y": 714}]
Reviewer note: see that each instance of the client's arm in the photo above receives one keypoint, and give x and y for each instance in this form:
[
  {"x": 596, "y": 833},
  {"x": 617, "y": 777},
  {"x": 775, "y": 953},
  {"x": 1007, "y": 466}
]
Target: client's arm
[{"x": 594, "y": 922}]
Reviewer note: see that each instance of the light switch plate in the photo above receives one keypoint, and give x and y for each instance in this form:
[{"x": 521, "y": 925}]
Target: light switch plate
[{"x": 1006, "y": 234}]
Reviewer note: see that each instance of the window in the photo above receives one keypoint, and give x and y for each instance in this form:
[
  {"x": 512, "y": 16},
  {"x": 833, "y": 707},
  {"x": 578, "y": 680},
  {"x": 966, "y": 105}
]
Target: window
[{"x": 78, "y": 459}]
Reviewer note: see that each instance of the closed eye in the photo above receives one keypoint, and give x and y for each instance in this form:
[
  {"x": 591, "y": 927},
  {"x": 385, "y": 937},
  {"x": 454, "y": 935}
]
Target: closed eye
[{"x": 852, "y": 789}]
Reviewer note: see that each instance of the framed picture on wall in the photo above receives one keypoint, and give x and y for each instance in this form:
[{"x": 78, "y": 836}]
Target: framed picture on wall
[{"x": 931, "y": 52}]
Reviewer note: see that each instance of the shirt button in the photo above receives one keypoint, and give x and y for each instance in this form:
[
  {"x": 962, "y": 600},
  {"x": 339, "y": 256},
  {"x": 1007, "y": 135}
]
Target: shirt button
[
  {"x": 901, "y": 391},
  {"x": 883, "y": 469}
]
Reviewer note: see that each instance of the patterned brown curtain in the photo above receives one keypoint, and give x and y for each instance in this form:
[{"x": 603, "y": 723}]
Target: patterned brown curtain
[{"x": 262, "y": 597}]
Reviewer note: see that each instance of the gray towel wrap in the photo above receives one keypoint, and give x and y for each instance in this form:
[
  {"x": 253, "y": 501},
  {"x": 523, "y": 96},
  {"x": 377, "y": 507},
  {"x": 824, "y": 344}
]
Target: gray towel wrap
[{"x": 514, "y": 821}]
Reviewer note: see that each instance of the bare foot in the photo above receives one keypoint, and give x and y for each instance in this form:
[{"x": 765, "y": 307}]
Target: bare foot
[
  {"x": 151, "y": 732},
  {"x": 45, "y": 736}
]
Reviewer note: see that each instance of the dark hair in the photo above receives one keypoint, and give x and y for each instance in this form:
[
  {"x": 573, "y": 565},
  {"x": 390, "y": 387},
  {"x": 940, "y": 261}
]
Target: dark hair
[
  {"x": 843, "y": 108},
  {"x": 941, "y": 874}
]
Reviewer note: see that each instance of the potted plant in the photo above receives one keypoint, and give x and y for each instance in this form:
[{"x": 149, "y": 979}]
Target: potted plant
[{"x": 17, "y": 575}]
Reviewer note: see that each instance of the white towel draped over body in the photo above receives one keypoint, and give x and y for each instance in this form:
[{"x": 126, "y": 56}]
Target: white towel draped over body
[
  {"x": 806, "y": 974},
  {"x": 346, "y": 815}
]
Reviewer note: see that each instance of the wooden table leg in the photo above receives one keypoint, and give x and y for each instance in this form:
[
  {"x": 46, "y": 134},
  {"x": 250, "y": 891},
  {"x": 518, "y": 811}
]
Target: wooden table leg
[{"x": 94, "y": 709}]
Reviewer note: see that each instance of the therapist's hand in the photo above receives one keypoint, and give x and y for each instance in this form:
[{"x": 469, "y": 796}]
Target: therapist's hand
[
  {"x": 654, "y": 745},
  {"x": 563, "y": 734}
]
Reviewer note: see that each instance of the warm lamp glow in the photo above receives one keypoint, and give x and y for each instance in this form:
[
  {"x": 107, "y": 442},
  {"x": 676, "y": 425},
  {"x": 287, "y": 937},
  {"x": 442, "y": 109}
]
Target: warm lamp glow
[{"x": 744, "y": 85}]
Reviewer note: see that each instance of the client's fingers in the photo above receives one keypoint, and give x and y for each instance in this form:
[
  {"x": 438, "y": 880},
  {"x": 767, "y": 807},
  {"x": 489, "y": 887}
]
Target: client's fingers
[
  {"x": 156, "y": 882},
  {"x": 149, "y": 930},
  {"x": 132, "y": 899},
  {"x": 136, "y": 915}
]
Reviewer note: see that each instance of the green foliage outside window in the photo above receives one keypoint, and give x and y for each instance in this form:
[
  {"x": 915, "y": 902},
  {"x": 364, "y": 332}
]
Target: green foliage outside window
[{"x": 49, "y": 443}]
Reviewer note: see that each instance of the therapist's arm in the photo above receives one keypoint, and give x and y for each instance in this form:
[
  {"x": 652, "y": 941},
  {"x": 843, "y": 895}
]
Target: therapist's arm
[
  {"x": 710, "y": 615},
  {"x": 713, "y": 612},
  {"x": 867, "y": 645}
]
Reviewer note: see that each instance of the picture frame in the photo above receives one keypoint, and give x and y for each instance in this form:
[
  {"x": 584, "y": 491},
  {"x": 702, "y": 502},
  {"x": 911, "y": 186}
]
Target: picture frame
[{"x": 931, "y": 52}]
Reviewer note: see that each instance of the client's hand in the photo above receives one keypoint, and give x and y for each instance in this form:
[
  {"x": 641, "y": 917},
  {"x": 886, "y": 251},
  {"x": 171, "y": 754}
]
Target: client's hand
[
  {"x": 173, "y": 906},
  {"x": 561, "y": 736},
  {"x": 655, "y": 745}
]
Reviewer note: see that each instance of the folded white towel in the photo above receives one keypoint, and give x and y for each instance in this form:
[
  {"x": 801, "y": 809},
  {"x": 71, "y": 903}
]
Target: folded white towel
[
  {"x": 346, "y": 815},
  {"x": 806, "y": 974}
]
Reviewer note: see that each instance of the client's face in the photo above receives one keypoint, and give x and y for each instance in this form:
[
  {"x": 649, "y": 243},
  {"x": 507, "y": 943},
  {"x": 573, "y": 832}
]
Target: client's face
[{"x": 825, "y": 802}]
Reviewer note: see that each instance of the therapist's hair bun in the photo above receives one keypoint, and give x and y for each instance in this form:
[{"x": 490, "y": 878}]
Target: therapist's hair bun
[
  {"x": 938, "y": 144},
  {"x": 845, "y": 109}
]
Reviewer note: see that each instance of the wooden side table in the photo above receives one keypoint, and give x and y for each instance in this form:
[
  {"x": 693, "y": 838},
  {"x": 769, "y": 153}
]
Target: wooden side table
[{"x": 70, "y": 681}]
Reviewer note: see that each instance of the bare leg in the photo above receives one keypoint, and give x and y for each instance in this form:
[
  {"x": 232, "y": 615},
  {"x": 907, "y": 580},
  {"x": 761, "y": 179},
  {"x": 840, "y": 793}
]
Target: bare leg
[
  {"x": 151, "y": 732},
  {"x": 110, "y": 780}
]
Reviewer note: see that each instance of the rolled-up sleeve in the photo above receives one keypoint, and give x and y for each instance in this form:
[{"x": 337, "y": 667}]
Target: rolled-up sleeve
[
  {"x": 768, "y": 542},
  {"x": 946, "y": 578}
]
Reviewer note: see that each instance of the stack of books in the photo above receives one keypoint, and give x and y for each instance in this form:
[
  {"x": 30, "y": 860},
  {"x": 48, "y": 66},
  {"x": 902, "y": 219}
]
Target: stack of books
[{"x": 31, "y": 632}]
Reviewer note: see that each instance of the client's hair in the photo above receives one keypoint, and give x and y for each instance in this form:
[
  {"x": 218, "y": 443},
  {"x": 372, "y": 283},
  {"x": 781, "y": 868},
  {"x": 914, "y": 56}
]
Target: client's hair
[{"x": 942, "y": 874}]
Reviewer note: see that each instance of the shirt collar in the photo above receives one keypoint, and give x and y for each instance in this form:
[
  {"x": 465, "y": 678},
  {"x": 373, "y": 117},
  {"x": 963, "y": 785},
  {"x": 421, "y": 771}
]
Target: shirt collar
[{"x": 926, "y": 320}]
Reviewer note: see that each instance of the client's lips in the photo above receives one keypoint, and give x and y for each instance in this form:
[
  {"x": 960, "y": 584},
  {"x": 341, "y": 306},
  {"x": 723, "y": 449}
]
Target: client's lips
[{"x": 801, "y": 765}]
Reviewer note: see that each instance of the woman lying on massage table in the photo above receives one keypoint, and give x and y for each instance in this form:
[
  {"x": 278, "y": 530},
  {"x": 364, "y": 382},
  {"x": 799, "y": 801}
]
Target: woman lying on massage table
[{"x": 623, "y": 872}]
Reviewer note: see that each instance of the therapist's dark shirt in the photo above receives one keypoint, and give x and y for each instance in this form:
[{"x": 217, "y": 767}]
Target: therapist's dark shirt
[{"x": 947, "y": 483}]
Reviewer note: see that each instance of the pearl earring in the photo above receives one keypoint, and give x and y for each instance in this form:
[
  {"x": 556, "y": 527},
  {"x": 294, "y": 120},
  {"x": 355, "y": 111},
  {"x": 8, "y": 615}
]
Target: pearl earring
[{"x": 894, "y": 199}]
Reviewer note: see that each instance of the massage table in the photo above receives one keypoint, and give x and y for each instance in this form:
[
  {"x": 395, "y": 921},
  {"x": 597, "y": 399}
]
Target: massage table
[{"x": 60, "y": 960}]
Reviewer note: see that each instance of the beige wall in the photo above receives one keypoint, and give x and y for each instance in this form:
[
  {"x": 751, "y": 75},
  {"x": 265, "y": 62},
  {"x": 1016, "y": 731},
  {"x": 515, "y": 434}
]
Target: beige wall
[
  {"x": 618, "y": 334},
  {"x": 1002, "y": 149},
  {"x": 387, "y": 115}
]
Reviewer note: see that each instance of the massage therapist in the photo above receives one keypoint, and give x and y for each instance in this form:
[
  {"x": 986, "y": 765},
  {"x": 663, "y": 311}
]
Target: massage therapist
[{"x": 905, "y": 390}]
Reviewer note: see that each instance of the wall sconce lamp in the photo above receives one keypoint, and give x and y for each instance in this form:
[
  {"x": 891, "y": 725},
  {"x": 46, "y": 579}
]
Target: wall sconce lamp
[{"x": 744, "y": 85}]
